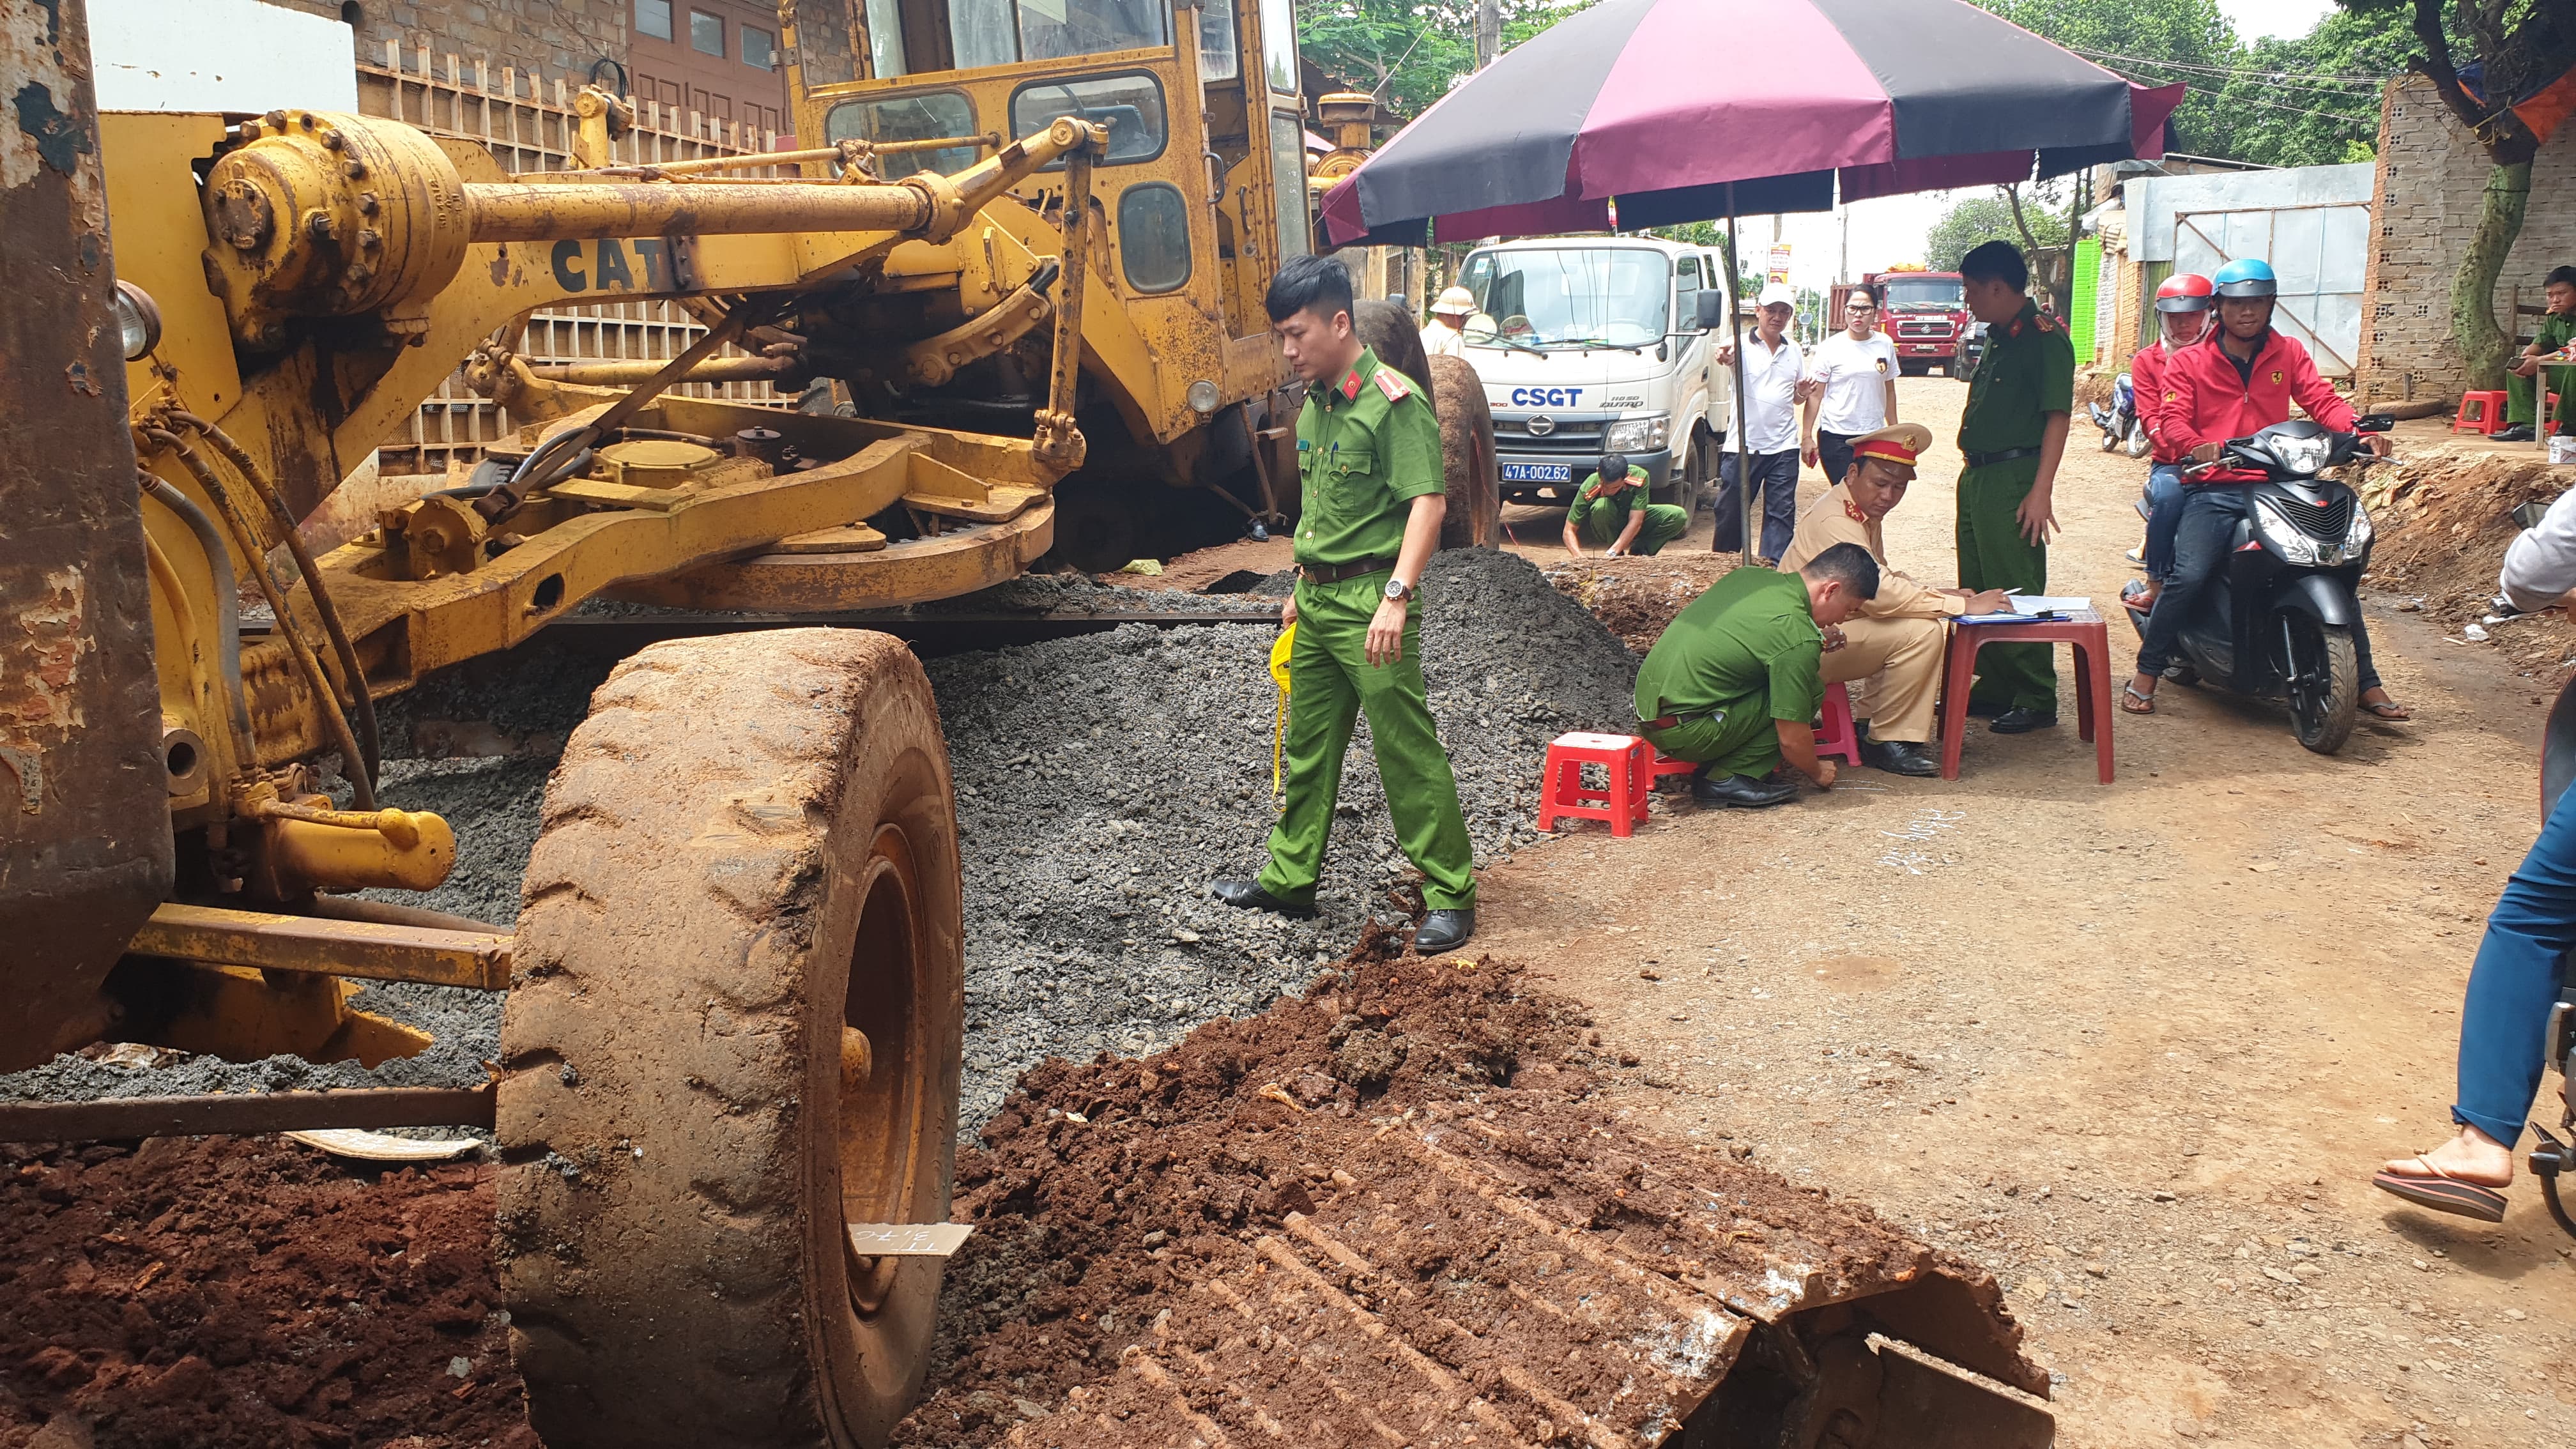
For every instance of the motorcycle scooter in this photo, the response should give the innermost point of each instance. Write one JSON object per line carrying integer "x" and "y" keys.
{"x": 2121, "y": 427}
{"x": 2277, "y": 618}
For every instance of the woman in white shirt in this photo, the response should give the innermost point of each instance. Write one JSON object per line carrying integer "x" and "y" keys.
{"x": 1851, "y": 387}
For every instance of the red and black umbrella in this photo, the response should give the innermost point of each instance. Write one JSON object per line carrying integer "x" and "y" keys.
{"x": 1688, "y": 109}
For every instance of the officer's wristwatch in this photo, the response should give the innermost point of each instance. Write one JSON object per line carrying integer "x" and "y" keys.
{"x": 1398, "y": 591}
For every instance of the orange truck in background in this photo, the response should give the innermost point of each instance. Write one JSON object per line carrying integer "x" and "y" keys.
{"x": 1926, "y": 313}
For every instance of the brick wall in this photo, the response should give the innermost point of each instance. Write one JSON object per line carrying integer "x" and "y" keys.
{"x": 559, "y": 39}
{"x": 2424, "y": 205}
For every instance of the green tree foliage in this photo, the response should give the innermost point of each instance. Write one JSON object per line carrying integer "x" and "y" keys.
{"x": 2310, "y": 100}
{"x": 1986, "y": 217}
{"x": 1407, "y": 53}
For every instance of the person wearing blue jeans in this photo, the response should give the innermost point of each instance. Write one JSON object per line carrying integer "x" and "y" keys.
{"x": 2505, "y": 1017}
{"x": 2502, "y": 1023}
{"x": 2164, "y": 516}
{"x": 1775, "y": 477}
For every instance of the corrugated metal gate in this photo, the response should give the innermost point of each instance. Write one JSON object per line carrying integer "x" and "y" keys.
{"x": 2318, "y": 251}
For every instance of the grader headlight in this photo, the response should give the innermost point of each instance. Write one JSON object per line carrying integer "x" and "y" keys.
{"x": 138, "y": 321}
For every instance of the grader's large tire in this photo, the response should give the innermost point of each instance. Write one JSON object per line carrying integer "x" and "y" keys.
{"x": 1475, "y": 516}
{"x": 734, "y": 1027}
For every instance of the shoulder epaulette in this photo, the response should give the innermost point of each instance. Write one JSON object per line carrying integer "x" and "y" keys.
{"x": 1392, "y": 383}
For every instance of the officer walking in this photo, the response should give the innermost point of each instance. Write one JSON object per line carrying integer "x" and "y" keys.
{"x": 1368, "y": 456}
{"x": 2013, "y": 434}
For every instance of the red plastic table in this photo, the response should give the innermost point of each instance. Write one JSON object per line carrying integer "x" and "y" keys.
{"x": 2091, "y": 639}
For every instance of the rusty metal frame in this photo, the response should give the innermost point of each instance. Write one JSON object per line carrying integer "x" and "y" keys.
{"x": 370, "y": 950}
{"x": 120, "y": 1119}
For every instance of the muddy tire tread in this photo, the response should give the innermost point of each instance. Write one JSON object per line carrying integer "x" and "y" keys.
{"x": 650, "y": 1231}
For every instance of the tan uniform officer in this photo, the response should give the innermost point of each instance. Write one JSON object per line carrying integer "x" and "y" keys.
{"x": 1890, "y": 649}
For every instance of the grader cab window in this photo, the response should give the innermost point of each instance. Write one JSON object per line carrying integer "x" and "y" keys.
{"x": 1154, "y": 236}
{"x": 908, "y": 118}
{"x": 1131, "y": 106}
{"x": 910, "y": 36}
{"x": 1220, "y": 58}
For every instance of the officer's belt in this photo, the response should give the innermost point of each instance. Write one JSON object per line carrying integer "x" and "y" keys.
{"x": 1980, "y": 460}
{"x": 1324, "y": 573}
{"x": 1676, "y": 721}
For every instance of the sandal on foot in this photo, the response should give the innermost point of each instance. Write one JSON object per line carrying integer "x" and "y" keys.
{"x": 2146, "y": 703}
{"x": 2442, "y": 1192}
{"x": 2387, "y": 709}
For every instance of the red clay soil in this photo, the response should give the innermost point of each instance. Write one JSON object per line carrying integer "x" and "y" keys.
{"x": 207, "y": 1293}
{"x": 1245, "y": 1223}
{"x": 1396, "y": 1200}
{"x": 1635, "y": 598}
{"x": 2444, "y": 517}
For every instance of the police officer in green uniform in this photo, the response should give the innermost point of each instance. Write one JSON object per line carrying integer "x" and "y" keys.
{"x": 2524, "y": 377}
{"x": 1368, "y": 457}
{"x": 2013, "y": 433}
{"x": 1733, "y": 683}
{"x": 1611, "y": 513}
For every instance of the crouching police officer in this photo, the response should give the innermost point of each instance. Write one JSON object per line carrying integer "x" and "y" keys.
{"x": 1368, "y": 455}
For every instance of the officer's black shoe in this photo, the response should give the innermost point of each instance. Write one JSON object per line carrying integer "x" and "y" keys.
{"x": 1249, "y": 895}
{"x": 1742, "y": 792}
{"x": 1980, "y": 709}
{"x": 2518, "y": 433}
{"x": 1444, "y": 931}
{"x": 2021, "y": 721}
{"x": 1900, "y": 757}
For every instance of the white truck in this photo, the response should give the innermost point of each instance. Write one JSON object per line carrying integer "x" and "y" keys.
{"x": 1598, "y": 344}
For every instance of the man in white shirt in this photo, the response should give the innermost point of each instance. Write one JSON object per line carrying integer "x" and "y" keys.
{"x": 1446, "y": 336}
{"x": 1852, "y": 377}
{"x": 1773, "y": 368}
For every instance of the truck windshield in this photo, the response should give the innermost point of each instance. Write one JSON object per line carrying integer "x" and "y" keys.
{"x": 1925, "y": 294}
{"x": 1569, "y": 297}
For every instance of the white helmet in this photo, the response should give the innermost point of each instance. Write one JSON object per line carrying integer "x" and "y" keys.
{"x": 1455, "y": 302}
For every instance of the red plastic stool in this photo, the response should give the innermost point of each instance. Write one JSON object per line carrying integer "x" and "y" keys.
{"x": 2480, "y": 412}
{"x": 1563, "y": 793}
{"x": 1836, "y": 736}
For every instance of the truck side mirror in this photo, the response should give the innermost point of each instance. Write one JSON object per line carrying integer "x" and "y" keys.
{"x": 1712, "y": 308}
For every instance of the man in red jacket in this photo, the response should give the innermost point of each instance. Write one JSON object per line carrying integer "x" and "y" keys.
{"x": 2237, "y": 383}
{"x": 2183, "y": 306}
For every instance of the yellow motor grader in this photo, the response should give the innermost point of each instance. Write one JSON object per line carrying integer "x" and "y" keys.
{"x": 727, "y": 1093}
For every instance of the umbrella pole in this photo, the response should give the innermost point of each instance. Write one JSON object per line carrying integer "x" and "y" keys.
{"x": 1735, "y": 324}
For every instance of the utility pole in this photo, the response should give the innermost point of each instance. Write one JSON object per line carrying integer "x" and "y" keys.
{"x": 1842, "y": 268}
{"x": 1489, "y": 32}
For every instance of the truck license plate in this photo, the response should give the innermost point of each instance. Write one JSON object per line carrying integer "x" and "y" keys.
{"x": 1538, "y": 472}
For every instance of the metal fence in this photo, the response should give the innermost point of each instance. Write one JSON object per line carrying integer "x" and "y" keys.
{"x": 527, "y": 122}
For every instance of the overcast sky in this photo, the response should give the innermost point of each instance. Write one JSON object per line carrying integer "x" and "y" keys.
{"x": 1891, "y": 229}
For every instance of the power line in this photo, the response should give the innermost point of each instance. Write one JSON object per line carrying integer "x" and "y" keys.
{"x": 2283, "y": 78}
{"x": 2300, "y": 111}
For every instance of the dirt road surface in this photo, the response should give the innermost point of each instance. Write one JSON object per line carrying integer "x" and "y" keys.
{"x": 2134, "y": 1048}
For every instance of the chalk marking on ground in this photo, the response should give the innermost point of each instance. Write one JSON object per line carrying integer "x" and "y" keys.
{"x": 1929, "y": 824}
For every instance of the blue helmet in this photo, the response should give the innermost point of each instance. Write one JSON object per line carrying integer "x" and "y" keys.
{"x": 2247, "y": 278}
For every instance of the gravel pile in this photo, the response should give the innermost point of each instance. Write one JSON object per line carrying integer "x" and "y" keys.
{"x": 1103, "y": 781}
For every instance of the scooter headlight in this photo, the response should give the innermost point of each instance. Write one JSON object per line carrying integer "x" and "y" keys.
{"x": 2357, "y": 537}
{"x": 2303, "y": 456}
{"x": 2284, "y": 536}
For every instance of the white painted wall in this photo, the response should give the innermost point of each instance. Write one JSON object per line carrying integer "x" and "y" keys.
{"x": 219, "y": 55}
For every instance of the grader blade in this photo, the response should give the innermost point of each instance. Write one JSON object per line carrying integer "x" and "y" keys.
{"x": 1676, "y": 1329}
{"x": 1398, "y": 1213}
